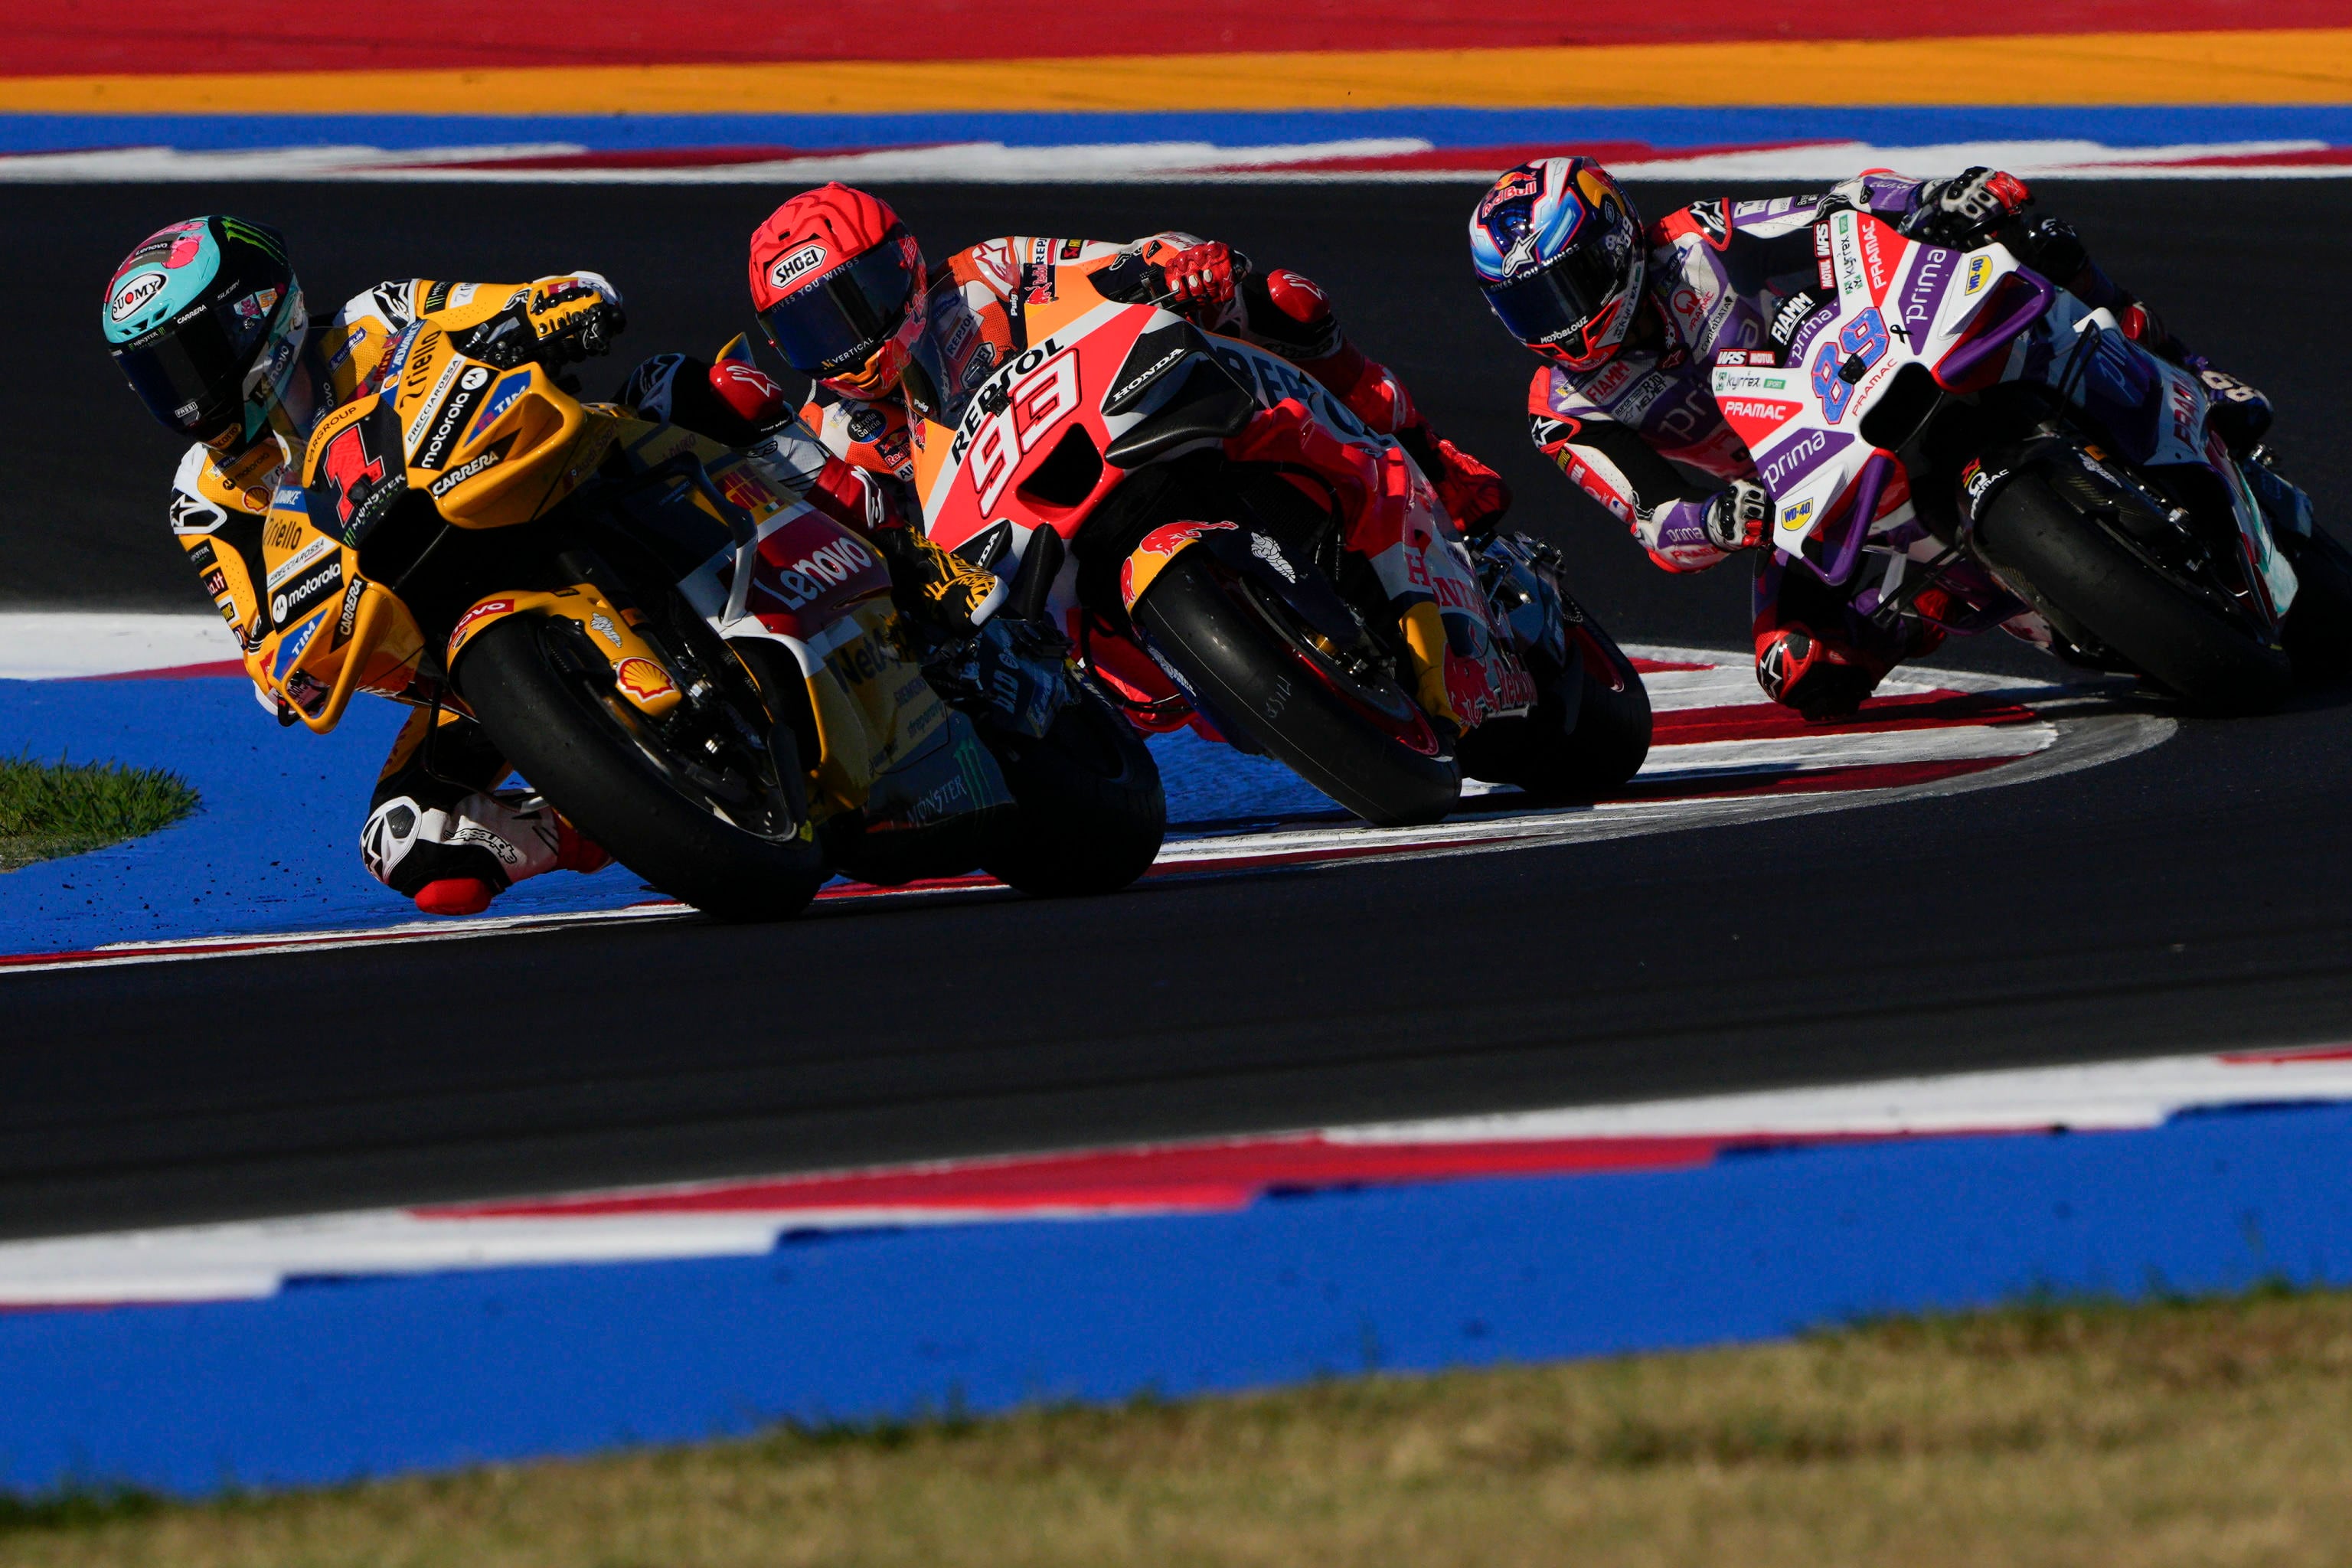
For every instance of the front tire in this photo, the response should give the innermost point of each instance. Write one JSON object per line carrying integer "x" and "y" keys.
{"x": 2077, "y": 574}
{"x": 1585, "y": 738}
{"x": 1089, "y": 811}
{"x": 602, "y": 766}
{"x": 1248, "y": 675}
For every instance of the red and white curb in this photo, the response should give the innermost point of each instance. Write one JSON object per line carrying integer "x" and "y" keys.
{"x": 1720, "y": 753}
{"x": 1355, "y": 159}
{"x": 749, "y": 1216}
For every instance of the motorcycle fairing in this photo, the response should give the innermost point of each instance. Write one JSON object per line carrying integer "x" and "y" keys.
{"x": 1823, "y": 429}
{"x": 1101, "y": 373}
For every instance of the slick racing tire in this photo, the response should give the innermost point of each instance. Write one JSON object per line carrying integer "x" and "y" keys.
{"x": 1372, "y": 748}
{"x": 1587, "y": 735}
{"x": 2069, "y": 567}
{"x": 2318, "y": 629}
{"x": 1089, "y": 812}
{"x": 578, "y": 742}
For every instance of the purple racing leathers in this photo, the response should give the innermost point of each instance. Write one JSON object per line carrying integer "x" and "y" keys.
{"x": 1642, "y": 435}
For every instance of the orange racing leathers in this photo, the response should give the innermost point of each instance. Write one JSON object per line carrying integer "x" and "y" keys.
{"x": 435, "y": 829}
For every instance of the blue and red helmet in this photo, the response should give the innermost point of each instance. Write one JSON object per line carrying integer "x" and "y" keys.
{"x": 1561, "y": 258}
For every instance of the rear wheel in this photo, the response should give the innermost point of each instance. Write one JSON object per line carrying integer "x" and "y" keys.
{"x": 716, "y": 824}
{"x": 1089, "y": 813}
{"x": 2318, "y": 630}
{"x": 1360, "y": 741}
{"x": 2080, "y": 575}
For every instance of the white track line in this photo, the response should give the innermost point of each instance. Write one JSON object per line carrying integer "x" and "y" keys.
{"x": 248, "y": 1260}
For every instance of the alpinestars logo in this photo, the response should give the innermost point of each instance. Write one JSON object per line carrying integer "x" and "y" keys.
{"x": 789, "y": 269}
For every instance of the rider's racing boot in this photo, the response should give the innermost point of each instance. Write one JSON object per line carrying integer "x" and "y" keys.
{"x": 454, "y": 861}
{"x": 1291, "y": 309}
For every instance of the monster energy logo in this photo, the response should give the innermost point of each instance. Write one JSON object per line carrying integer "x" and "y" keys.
{"x": 237, "y": 228}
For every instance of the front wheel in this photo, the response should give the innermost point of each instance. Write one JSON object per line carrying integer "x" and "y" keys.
{"x": 2079, "y": 576}
{"x": 715, "y": 825}
{"x": 1361, "y": 742}
{"x": 1587, "y": 734}
{"x": 1090, "y": 813}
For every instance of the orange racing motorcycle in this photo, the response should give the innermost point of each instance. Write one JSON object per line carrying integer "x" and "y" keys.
{"x": 1131, "y": 474}
{"x": 705, "y": 675}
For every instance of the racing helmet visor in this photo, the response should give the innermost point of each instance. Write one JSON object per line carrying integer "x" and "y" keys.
{"x": 843, "y": 318}
{"x": 191, "y": 374}
{"x": 1552, "y": 304}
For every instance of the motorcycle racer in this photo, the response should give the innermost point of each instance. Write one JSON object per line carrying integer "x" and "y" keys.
{"x": 1629, "y": 319}
{"x": 844, "y": 295}
{"x": 208, "y": 323}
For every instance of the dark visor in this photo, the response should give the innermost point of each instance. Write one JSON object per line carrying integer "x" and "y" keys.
{"x": 1548, "y": 305}
{"x": 839, "y": 321}
{"x": 192, "y": 375}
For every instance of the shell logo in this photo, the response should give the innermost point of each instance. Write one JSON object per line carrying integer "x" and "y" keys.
{"x": 642, "y": 679}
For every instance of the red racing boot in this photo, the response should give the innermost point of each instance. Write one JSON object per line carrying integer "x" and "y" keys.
{"x": 1475, "y": 495}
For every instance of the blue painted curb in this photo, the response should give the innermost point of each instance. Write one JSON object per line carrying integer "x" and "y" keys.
{"x": 2116, "y": 126}
{"x": 330, "y": 1381}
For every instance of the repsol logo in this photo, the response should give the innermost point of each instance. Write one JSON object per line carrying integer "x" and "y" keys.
{"x": 1800, "y": 452}
{"x": 995, "y": 392}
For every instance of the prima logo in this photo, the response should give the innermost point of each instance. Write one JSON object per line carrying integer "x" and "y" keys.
{"x": 790, "y": 269}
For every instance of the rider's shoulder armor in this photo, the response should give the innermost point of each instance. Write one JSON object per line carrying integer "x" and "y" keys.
{"x": 869, "y": 436}
{"x": 217, "y": 514}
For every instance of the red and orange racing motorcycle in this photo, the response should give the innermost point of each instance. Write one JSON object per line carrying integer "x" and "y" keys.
{"x": 1237, "y": 596}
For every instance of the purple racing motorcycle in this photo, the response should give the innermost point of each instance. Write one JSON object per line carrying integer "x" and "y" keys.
{"x": 1999, "y": 454}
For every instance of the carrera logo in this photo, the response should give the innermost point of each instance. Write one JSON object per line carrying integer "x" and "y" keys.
{"x": 464, "y": 471}
{"x": 642, "y": 680}
{"x": 136, "y": 291}
{"x": 789, "y": 269}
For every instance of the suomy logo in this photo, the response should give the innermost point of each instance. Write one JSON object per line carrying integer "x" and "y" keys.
{"x": 788, "y": 270}
{"x": 136, "y": 290}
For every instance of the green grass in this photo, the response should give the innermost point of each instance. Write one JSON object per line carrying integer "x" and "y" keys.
{"x": 2055, "y": 1433}
{"x": 47, "y": 809}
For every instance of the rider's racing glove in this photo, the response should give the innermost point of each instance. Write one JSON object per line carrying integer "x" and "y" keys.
{"x": 937, "y": 586}
{"x": 1737, "y": 515}
{"x": 556, "y": 321}
{"x": 1201, "y": 275}
{"x": 1964, "y": 210}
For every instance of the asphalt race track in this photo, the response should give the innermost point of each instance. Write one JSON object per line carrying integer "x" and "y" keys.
{"x": 2192, "y": 896}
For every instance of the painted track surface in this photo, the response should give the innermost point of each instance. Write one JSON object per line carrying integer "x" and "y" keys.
{"x": 2186, "y": 897}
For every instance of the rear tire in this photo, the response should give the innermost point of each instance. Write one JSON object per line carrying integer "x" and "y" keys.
{"x": 2068, "y": 567}
{"x": 1090, "y": 812}
{"x": 2318, "y": 630}
{"x": 573, "y": 750}
{"x": 1249, "y": 676}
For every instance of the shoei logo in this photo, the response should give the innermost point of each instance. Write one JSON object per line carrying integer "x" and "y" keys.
{"x": 136, "y": 291}
{"x": 790, "y": 269}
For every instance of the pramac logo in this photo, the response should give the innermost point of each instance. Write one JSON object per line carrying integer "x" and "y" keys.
{"x": 790, "y": 269}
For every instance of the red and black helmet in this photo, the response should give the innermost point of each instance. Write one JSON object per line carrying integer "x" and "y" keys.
{"x": 839, "y": 286}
